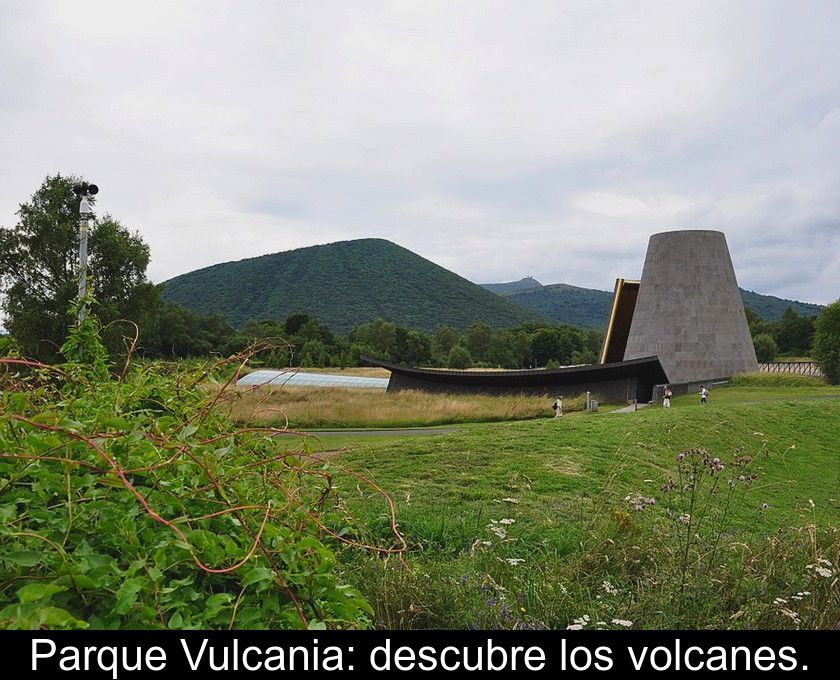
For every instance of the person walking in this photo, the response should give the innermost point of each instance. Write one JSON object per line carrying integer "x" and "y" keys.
{"x": 666, "y": 397}
{"x": 558, "y": 407}
{"x": 704, "y": 393}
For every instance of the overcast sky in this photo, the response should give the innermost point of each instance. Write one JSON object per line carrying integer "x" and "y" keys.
{"x": 498, "y": 139}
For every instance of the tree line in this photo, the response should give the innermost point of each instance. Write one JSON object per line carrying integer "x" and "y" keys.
{"x": 791, "y": 336}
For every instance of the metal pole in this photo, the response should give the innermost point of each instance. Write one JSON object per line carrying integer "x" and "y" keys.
{"x": 84, "y": 216}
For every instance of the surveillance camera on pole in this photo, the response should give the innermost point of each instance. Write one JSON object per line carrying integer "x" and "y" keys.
{"x": 84, "y": 191}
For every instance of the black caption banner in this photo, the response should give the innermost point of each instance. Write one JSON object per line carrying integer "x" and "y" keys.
{"x": 156, "y": 654}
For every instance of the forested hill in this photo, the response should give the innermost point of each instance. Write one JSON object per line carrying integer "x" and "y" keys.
{"x": 562, "y": 303}
{"x": 342, "y": 285}
{"x": 589, "y": 307}
{"x": 771, "y": 308}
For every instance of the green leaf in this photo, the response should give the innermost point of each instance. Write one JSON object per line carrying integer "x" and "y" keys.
{"x": 23, "y": 558}
{"x": 38, "y": 591}
{"x": 315, "y": 624}
{"x": 127, "y": 594}
{"x": 218, "y": 600}
{"x": 53, "y": 617}
{"x": 257, "y": 574}
{"x": 187, "y": 432}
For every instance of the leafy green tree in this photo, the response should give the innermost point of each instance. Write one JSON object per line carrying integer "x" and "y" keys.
{"x": 766, "y": 348}
{"x": 413, "y": 347}
{"x": 757, "y": 324}
{"x": 460, "y": 357}
{"x": 295, "y": 322}
{"x": 314, "y": 353}
{"x": 177, "y": 332}
{"x": 794, "y": 333}
{"x": 478, "y": 339}
{"x": 583, "y": 356}
{"x": 380, "y": 335}
{"x": 39, "y": 269}
{"x": 502, "y": 350}
{"x": 444, "y": 339}
{"x": 826, "y": 350}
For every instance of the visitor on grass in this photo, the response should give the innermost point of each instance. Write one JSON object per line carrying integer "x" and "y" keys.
{"x": 558, "y": 407}
{"x": 704, "y": 393}
{"x": 666, "y": 397}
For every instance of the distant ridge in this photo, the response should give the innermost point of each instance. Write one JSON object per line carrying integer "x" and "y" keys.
{"x": 343, "y": 285}
{"x": 770, "y": 307}
{"x": 527, "y": 283}
{"x": 563, "y": 303}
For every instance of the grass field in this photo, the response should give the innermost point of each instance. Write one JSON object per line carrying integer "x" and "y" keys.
{"x": 312, "y": 407}
{"x": 528, "y": 524}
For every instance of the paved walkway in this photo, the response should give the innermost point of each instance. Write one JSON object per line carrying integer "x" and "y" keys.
{"x": 630, "y": 409}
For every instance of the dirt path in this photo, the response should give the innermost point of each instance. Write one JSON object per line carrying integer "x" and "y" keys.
{"x": 404, "y": 431}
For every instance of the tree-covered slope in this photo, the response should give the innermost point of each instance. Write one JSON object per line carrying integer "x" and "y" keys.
{"x": 770, "y": 308}
{"x": 344, "y": 284}
{"x": 560, "y": 302}
{"x": 589, "y": 307}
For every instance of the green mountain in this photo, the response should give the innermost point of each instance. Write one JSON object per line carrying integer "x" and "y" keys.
{"x": 563, "y": 303}
{"x": 560, "y": 302}
{"x": 342, "y": 285}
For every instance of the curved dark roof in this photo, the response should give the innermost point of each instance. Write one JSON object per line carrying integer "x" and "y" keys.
{"x": 647, "y": 368}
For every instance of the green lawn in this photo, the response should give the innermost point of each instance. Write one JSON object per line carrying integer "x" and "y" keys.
{"x": 740, "y": 395}
{"x": 562, "y": 471}
{"x": 563, "y": 483}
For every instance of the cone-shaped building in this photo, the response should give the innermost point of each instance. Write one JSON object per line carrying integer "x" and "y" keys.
{"x": 688, "y": 310}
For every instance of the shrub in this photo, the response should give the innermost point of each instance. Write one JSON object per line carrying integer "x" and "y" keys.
{"x": 129, "y": 502}
{"x": 826, "y": 349}
{"x": 459, "y": 357}
{"x": 766, "y": 348}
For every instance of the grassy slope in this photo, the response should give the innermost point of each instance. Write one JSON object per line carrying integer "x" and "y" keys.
{"x": 569, "y": 475}
{"x": 560, "y": 469}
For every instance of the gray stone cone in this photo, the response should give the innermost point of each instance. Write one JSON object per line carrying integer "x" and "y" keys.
{"x": 689, "y": 311}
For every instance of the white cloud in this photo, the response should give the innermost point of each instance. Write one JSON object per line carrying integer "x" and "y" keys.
{"x": 498, "y": 139}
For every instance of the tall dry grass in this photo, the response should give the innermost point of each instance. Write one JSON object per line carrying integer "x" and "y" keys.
{"x": 315, "y": 407}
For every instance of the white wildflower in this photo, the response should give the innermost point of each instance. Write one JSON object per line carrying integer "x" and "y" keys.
{"x": 507, "y": 521}
{"x": 622, "y": 622}
{"x": 792, "y": 615}
{"x": 609, "y": 588}
{"x": 513, "y": 561}
{"x": 499, "y": 531}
